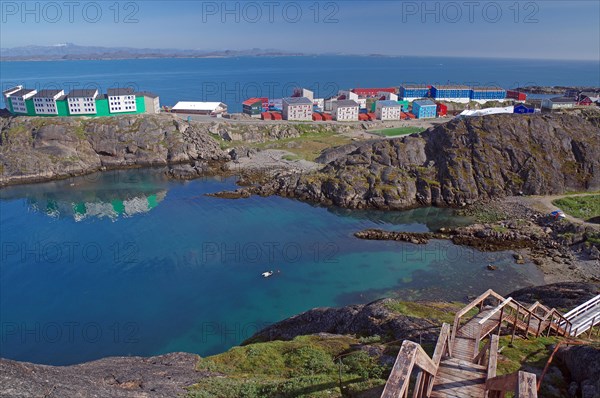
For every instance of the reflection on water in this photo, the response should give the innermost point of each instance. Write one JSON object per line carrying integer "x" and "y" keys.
{"x": 433, "y": 218}
{"x": 157, "y": 266}
{"x": 104, "y": 195}
{"x": 112, "y": 209}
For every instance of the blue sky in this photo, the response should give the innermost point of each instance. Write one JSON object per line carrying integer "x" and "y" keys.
{"x": 511, "y": 28}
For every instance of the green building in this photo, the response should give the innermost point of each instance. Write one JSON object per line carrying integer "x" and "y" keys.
{"x": 80, "y": 102}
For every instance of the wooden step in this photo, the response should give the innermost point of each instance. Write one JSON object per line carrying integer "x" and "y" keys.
{"x": 457, "y": 378}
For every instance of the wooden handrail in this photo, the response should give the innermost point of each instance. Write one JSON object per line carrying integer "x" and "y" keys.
{"x": 410, "y": 355}
{"x": 480, "y": 299}
{"x": 522, "y": 384}
{"x": 479, "y": 356}
{"x": 495, "y": 310}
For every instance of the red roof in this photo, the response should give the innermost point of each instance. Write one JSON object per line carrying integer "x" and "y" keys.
{"x": 252, "y": 101}
{"x": 373, "y": 91}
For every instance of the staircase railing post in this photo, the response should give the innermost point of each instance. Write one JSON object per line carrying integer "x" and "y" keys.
{"x": 528, "y": 324}
{"x": 591, "y": 327}
{"x": 514, "y": 331}
{"x": 500, "y": 321}
{"x": 550, "y": 324}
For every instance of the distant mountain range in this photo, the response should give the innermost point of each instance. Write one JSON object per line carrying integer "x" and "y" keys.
{"x": 70, "y": 51}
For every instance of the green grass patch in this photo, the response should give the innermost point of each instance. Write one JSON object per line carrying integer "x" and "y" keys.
{"x": 584, "y": 207}
{"x": 309, "y": 145}
{"x": 436, "y": 312}
{"x": 308, "y": 366}
{"x": 394, "y": 132}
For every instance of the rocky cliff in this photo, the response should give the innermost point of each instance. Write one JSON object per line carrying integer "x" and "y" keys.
{"x": 461, "y": 162}
{"x": 38, "y": 149}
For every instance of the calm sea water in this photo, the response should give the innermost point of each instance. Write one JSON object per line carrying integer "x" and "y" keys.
{"x": 232, "y": 80}
{"x": 129, "y": 263}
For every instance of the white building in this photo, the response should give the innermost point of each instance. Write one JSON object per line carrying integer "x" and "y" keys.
{"x": 488, "y": 111}
{"x": 121, "y": 100}
{"x": 151, "y": 101}
{"x": 18, "y": 98}
{"x": 297, "y": 108}
{"x": 303, "y": 92}
{"x": 82, "y": 102}
{"x": 558, "y": 103}
{"x": 200, "y": 108}
{"x": 345, "y": 111}
{"x": 7, "y": 93}
{"x": 388, "y": 110}
{"x": 348, "y": 95}
{"x": 44, "y": 101}
{"x": 387, "y": 96}
{"x": 319, "y": 103}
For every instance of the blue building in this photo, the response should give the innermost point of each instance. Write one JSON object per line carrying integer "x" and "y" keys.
{"x": 424, "y": 109}
{"x": 523, "y": 109}
{"x": 488, "y": 93}
{"x": 456, "y": 93}
{"x": 411, "y": 92}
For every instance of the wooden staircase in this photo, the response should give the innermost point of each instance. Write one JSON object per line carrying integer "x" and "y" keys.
{"x": 460, "y": 369}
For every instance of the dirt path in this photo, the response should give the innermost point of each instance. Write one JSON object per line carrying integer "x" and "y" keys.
{"x": 544, "y": 204}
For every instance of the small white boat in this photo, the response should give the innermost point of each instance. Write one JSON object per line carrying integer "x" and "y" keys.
{"x": 267, "y": 274}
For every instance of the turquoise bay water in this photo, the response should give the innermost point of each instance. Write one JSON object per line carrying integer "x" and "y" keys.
{"x": 233, "y": 80}
{"x": 130, "y": 263}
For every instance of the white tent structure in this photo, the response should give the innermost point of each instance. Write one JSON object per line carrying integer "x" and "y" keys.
{"x": 199, "y": 108}
{"x": 487, "y": 111}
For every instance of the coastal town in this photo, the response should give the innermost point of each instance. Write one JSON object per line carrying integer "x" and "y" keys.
{"x": 405, "y": 102}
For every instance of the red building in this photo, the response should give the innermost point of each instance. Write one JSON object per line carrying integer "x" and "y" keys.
{"x": 372, "y": 92}
{"x": 442, "y": 109}
{"x": 585, "y": 101}
{"x": 516, "y": 95}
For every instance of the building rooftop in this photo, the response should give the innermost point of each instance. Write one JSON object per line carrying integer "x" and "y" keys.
{"x": 389, "y": 103}
{"x": 83, "y": 93}
{"x": 252, "y": 101}
{"x": 47, "y": 93}
{"x": 197, "y": 106}
{"x": 562, "y": 99}
{"x": 415, "y": 86}
{"x": 488, "y": 89}
{"x": 22, "y": 92}
{"x": 297, "y": 101}
{"x": 451, "y": 87}
{"x": 346, "y": 103}
{"x": 376, "y": 90}
{"x": 146, "y": 94}
{"x": 424, "y": 102}
{"x": 12, "y": 89}
{"x": 113, "y": 92}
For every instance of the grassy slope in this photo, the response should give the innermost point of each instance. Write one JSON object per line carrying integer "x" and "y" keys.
{"x": 583, "y": 207}
{"x": 393, "y": 132}
{"x": 339, "y": 366}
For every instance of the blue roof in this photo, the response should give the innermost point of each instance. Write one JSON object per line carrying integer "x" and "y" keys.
{"x": 388, "y": 103}
{"x": 424, "y": 102}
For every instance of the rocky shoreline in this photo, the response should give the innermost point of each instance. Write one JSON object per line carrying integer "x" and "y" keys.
{"x": 174, "y": 374}
{"x": 453, "y": 165}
